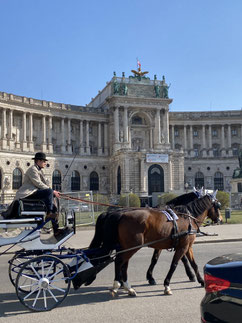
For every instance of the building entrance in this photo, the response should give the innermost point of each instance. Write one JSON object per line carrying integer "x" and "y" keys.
{"x": 155, "y": 179}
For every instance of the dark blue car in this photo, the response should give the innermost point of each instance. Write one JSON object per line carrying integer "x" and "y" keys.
{"x": 223, "y": 284}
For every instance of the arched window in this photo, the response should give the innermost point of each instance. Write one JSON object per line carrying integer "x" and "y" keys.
{"x": 199, "y": 180}
{"x": 94, "y": 181}
{"x": 137, "y": 120}
{"x": 218, "y": 181}
{"x": 75, "y": 181}
{"x": 17, "y": 179}
{"x": 56, "y": 180}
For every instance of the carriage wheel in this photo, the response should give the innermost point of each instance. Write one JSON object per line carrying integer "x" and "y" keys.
{"x": 42, "y": 283}
{"x": 15, "y": 264}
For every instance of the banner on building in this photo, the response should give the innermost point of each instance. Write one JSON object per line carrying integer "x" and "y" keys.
{"x": 156, "y": 158}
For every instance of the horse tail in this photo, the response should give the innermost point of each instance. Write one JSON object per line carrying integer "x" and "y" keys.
{"x": 98, "y": 236}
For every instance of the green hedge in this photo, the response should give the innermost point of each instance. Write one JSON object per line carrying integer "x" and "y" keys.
{"x": 130, "y": 199}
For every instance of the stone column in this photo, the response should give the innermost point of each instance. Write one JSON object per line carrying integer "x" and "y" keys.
{"x": 157, "y": 128}
{"x": 43, "y": 146}
{"x": 172, "y": 137}
{"x": 50, "y": 145}
{"x": 229, "y": 141}
{"x": 191, "y": 137}
{"x": 81, "y": 138}
{"x": 63, "y": 146}
{"x": 24, "y": 131}
{"x": 185, "y": 138}
{"x": 105, "y": 139}
{"x": 69, "y": 148}
{"x": 116, "y": 124}
{"x": 31, "y": 143}
{"x": 210, "y": 141}
{"x": 143, "y": 177}
{"x": 223, "y": 150}
{"x": 125, "y": 125}
{"x": 10, "y": 131}
{"x": 100, "y": 150}
{"x": 204, "y": 151}
{"x": 126, "y": 176}
{"x": 87, "y": 139}
{"x": 151, "y": 138}
{"x": 4, "y": 127}
{"x": 165, "y": 127}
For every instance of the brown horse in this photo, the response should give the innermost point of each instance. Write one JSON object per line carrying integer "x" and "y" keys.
{"x": 183, "y": 199}
{"x": 134, "y": 228}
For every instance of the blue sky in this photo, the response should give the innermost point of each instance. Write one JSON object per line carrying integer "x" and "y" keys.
{"x": 66, "y": 50}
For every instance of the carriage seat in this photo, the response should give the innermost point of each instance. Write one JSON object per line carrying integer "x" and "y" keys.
{"x": 25, "y": 208}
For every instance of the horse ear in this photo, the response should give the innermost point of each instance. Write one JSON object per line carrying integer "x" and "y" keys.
{"x": 214, "y": 194}
{"x": 194, "y": 189}
{"x": 200, "y": 192}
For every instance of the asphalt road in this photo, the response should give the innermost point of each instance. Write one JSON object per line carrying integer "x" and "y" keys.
{"x": 94, "y": 303}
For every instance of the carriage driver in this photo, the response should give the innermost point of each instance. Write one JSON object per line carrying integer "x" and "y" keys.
{"x": 35, "y": 187}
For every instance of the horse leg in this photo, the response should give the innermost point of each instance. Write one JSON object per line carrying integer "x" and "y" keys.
{"x": 191, "y": 259}
{"x": 154, "y": 259}
{"x": 189, "y": 273}
{"x": 121, "y": 276}
{"x": 179, "y": 253}
{"x": 118, "y": 276}
{"x": 126, "y": 285}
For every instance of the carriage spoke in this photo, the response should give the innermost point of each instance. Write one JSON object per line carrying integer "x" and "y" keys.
{"x": 32, "y": 267}
{"x": 45, "y": 299}
{"x": 57, "y": 288}
{"x": 55, "y": 274}
{"x": 36, "y": 298}
{"x": 29, "y": 294}
{"x": 52, "y": 295}
{"x": 51, "y": 266}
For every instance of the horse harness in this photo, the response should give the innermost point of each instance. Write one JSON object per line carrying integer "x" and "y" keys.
{"x": 175, "y": 234}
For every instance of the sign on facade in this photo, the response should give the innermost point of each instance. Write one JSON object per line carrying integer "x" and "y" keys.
{"x": 156, "y": 158}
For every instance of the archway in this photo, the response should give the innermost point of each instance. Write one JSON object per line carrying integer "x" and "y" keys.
{"x": 155, "y": 179}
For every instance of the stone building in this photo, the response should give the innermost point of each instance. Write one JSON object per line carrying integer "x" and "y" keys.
{"x": 124, "y": 140}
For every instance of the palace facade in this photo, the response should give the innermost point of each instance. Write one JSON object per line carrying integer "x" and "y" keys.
{"x": 124, "y": 140}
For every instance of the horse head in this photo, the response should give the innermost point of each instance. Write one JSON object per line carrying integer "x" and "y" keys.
{"x": 214, "y": 213}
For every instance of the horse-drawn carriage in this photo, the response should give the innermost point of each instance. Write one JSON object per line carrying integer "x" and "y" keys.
{"x": 42, "y": 271}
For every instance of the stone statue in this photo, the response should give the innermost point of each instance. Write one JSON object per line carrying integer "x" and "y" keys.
{"x": 124, "y": 89}
{"x": 238, "y": 171}
{"x": 164, "y": 88}
{"x": 115, "y": 87}
{"x": 157, "y": 91}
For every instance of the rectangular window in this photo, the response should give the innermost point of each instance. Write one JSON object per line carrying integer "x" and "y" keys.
{"x": 176, "y": 133}
{"x": 234, "y": 132}
{"x": 214, "y": 133}
{"x": 195, "y": 133}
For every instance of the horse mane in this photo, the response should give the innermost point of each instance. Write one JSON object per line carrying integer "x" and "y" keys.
{"x": 197, "y": 207}
{"x": 182, "y": 199}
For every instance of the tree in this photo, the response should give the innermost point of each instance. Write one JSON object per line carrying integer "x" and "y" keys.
{"x": 223, "y": 198}
{"x": 130, "y": 199}
{"x": 166, "y": 197}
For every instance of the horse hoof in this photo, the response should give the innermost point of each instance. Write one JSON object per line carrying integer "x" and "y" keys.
{"x": 167, "y": 290}
{"x": 152, "y": 281}
{"x": 132, "y": 293}
{"x": 192, "y": 279}
{"x": 113, "y": 293}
